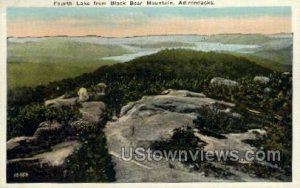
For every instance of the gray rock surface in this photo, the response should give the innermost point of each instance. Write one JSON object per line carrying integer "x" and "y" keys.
{"x": 93, "y": 111}
{"x": 56, "y": 156}
{"x": 46, "y": 135}
{"x": 218, "y": 82}
{"x": 182, "y": 93}
{"x": 18, "y": 141}
{"x": 154, "y": 118}
{"x": 47, "y": 129}
{"x": 261, "y": 79}
{"x": 61, "y": 101}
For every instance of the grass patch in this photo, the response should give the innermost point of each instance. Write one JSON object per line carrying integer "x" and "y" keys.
{"x": 33, "y": 74}
{"x": 265, "y": 62}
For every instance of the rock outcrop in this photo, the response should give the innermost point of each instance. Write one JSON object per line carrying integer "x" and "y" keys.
{"x": 46, "y": 166}
{"x": 154, "y": 118}
{"x": 50, "y": 146}
{"x": 46, "y": 152}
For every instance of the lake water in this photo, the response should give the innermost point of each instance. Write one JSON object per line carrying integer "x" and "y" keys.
{"x": 199, "y": 46}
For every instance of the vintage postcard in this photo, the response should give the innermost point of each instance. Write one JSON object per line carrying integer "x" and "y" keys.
{"x": 155, "y": 91}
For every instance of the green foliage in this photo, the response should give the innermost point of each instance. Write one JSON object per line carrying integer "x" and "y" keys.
{"x": 214, "y": 121}
{"x": 25, "y": 121}
{"x": 93, "y": 162}
{"x": 282, "y": 56}
{"x": 268, "y": 63}
{"x": 185, "y": 140}
{"x": 34, "y": 74}
{"x": 63, "y": 114}
{"x": 279, "y": 137}
{"x": 181, "y": 140}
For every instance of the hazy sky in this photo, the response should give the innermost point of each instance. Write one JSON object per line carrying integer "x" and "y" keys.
{"x": 120, "y": 22}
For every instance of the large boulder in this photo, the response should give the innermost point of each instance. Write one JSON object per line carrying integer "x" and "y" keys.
{"x": 55, "y": 157}
{"x": 83, "y": 95}
{"x": 222, "y": 82}
{"x": 42, "y": 167}
{"x": 92, "y": 111}
{"x": 182, "y": 93}
{"x": 61, "y": 101}
{"x": 154, "y": 118}
{"x": 47, "y": 134}
{"x": 18, "y": 141}
{"x": 287, "y": 74}
{"x": 47, "y": 128}
{"x": 21, "y": 146}
{"x": 261, "y": 79}
{"x": 100, "y": 89}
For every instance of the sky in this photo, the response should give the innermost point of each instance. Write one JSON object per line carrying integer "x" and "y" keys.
{"x": 125, "y": 22}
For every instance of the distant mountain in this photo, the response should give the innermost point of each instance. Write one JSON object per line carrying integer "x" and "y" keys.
{"x": 275, "y": 47}
{"x": 282, "y": 35}
{"x": 283, "y": 56}
{"x": 58, "y": 49}
{"x": 66, "y": 56}
{"x": 253, "y": 39}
